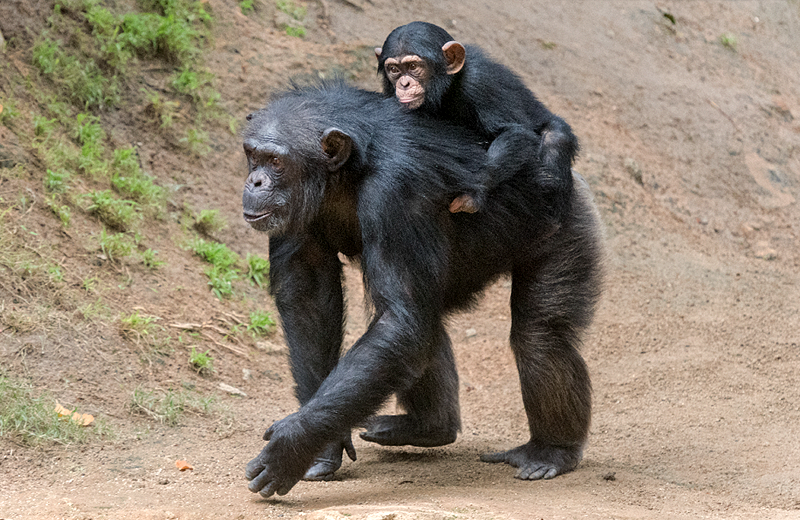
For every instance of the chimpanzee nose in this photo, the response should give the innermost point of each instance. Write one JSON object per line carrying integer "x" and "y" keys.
{"x": 257, "y": 180}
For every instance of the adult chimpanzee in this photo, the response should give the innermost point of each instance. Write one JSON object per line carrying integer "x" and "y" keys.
{"x": 337, "y": 170}
{"x": 429, "y": 71}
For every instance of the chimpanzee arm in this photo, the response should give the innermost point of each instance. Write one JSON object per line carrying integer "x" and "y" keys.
{"x": 546, "y": 153}
{"x": 404, "y": 258}
{"x": 306, "y": 280}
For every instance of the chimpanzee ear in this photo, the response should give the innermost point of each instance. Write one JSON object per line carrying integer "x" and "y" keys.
{"x": 378, "y": 52}
{"x": 337, "y": 145}
{"x": 454, "y": 54}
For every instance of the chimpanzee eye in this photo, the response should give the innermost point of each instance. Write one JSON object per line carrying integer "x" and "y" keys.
{"x": 276, "y": 163}
{"x": 412, "y": 66}
{"x": 393, "y": 69}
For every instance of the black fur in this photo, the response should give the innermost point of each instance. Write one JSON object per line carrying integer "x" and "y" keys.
{"x": 359, "y": 175}
{"x": 490, "y": 99}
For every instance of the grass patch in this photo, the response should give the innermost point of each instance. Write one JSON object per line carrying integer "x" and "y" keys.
{"x": 296, "y": 11}
{"x": 116, "y": 245}
{"x": 63, "y": 212}
{"x": 222, "y": 272}
{"x": 161, "y": 111}
{"x": 292, "y": 20}
{"x": 221, "y": 280}
{"x": 214, "y": 253}
{"x": 90, "y": 135}
{"x": 246, "y": 6}
{"x": 729, "y": 41}
{"x": 130, "y": 181}
{"x": 168, "y": 407}
{"x": 196, "y": 142}
{"x": 32, "y": 420}
{"x": 118, "y": 214}
{"x": 8, "y": 111}
{"x": 201, "y": 362}
{"x": 257, "y": 270}
{"x": 57, "y": 181}
{"x": 77, "y": 79}
{"x": 145, "y": 331}
{"x": 261, "y": 323}
{"x": 208, "y": 221}
{"x": 149, "y": 259}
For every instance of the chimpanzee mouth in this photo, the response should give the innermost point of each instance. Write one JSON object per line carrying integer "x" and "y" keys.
{"x": 255, "y": 218}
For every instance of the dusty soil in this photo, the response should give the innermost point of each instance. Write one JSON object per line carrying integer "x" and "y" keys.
{"x": 693, "y": 152}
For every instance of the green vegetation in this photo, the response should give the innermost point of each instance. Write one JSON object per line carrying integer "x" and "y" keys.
{"x": 118, "y": 214}
{"x": 257, "y": 270}
{"x": 246, "y": 6}
{"x": 261, "y": 323}
{"x": 169, "y": 406}
{"x": 80, "y": 208}
{"x": 292, "y": 22}
{"x": 57, "y": 181}
{"x": 196, "y": 142}
{"x": 149, "y": 259}
{"x": 222, "y": 272}
{"x": 32, "y": 419}
{"x": 144, "y": 330}
{"x": 208, "y": 221}
{"x": 214, "y": 253}
{"x": 80, "y": 80}
{"x": 201, "y": 362}
{"x": 298, "y": 12}
{"x": 8, "y": 111}
{"x": 162, "y": 111}
{"x": 729, "y": 40}
{"x": 130, "y": 181}
{"x": 221, "y": 280}
{"x": 61, "y": 211}
{"x": 115, "y": 245}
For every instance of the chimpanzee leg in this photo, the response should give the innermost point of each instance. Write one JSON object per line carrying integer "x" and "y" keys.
{"x": 306, "y": 280}
{"x": 432, "y": 415}
{"x": 551, "y": 306}
{"x": 516, "y": 149}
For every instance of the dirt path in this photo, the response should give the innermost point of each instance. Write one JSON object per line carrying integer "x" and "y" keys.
{"x": 693, "y": 151}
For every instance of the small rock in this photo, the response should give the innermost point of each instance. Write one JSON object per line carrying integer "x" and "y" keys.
{"x": 764, "y": 252}
{"x": 231, "y": 390}
{"x": 611, "y": 476}
{"x": 246, "y": 374}
{"x": 471, "y": 333}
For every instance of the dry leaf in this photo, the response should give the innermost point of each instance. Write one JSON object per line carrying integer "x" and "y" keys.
{"x": 83, "y": 419}
{"x": 61, "y": 411}
{"x": 183, "y": 465}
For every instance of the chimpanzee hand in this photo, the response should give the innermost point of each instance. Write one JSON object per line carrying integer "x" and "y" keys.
{"x": 282, "y": 462}
{"x": 327, "y": 461}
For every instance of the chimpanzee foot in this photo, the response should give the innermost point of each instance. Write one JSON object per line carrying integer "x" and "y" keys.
{"x": 465, "y": 203}
{"x": 401, "y": 430}
{"x": 329, "y": 460}
{"x": 535, "y": 461}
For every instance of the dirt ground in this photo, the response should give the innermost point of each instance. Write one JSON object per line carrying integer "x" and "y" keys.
{"x": 692, "y": 149}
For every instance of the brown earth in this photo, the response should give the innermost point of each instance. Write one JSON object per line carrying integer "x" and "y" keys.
{"x": 692, "y": 149}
